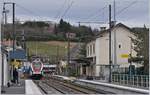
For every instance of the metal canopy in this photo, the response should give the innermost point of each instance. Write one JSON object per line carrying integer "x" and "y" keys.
{"x": 19, "y": 54}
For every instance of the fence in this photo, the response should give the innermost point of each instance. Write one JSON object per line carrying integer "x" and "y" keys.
{"x": 141, "y": 81}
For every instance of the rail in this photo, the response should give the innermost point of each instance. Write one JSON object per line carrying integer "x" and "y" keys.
{"x": 42, "y": 89}
{"x": 70, "y": 85}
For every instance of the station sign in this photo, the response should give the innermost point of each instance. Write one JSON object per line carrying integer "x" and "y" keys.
{"x": 124, "y": 55}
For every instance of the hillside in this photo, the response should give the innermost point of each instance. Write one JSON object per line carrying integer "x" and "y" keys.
{"x": 48, "y": 48}
{"x": 42, "y": 31}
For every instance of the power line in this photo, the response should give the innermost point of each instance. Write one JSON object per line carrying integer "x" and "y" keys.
{"x": 67, "y": 9}
{"x": 59, "y": 10}
{"x": 120, "y": 11}
{"x": 92, "y": 16}
{"x": 27, "y": 10}
{"x": 91, "y": 22}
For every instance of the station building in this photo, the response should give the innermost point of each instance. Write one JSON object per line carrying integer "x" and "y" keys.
{"x": 97, "y": 52}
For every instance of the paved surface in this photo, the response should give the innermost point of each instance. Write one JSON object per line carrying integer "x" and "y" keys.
{"x": 32, "y": 88}
{"x": 15, "y": 88}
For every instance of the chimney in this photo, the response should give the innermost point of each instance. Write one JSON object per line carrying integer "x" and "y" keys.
{"x": 113, "y": 23}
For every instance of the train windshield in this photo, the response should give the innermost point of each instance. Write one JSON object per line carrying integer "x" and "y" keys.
{"x": 37, "y": 65}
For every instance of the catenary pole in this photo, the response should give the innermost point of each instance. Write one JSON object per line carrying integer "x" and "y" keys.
{"x": 115, "y": 42}
{"x": 68, "y": 61}
{"x": 0, "y": 48}
{"x": 13, "y": 4}
{"x": 110, "y": 61}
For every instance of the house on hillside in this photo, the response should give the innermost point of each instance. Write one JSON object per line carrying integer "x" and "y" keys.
{"x": 71, "y": 35}
{"x": 74, "y": 53}
{"x": 97, "y": 51}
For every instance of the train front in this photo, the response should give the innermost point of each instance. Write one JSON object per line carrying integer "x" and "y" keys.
{"x": 36, "y": 69}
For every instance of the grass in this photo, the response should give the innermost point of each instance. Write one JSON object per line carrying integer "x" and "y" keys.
{"x": 48, "y": 48}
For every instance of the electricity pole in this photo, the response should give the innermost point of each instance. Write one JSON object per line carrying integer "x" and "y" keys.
{"x": 0, "y": 53}
{"x": 13, "y": 26}
{"x": 115, "y": 11}
{"x": 2, "y": 59}
{"x": 23, "y": 40}
{"x": 5, "y": 14}
{"x": 110, "y": 61}
{"x": 57, "y": 54}
{"x": 115, "y": 42}
{"x": 13, "y": 18}
{"x": 68, "y": 61}
{"x": 130, "y": 73}
{"x": 57, "y": 62}
{"x": 79, "y": 24}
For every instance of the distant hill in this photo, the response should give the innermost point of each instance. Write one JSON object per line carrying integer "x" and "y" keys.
{"x": 43, "y": 31}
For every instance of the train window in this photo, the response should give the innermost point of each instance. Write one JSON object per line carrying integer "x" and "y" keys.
{"x": 37, "y": 65}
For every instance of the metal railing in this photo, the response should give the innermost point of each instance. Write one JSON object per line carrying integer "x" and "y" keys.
{"x": 140, "y": 81}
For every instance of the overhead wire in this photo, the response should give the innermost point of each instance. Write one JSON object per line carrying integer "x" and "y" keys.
{"x": 123, "y": 9}
{"x": 60, "y": 9}
{"x": 92, "y": 16}
{"x": 68, "y": 8}
{"x": 131, "y": 18}
{"x": 29, "y": 11}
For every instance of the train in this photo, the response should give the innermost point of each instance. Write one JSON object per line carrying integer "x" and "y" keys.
{"x": 36, "y": 71}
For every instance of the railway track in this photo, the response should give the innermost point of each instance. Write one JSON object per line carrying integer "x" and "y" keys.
{"x": 46, "y": 89}
{"x": 64, "y": 87}
{"x": 68, "y": 87}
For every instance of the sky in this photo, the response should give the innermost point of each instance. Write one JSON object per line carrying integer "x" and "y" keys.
{"x": 129, "y": 12}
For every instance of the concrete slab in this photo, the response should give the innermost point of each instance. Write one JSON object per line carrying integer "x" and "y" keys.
{"x": 117, "y": 89}
{"x": 31, "y": 88}
{"x": 15, "y": 88}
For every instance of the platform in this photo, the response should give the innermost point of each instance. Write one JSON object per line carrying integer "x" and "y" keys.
{"x": 107, "y": 87}
{"x": 15, "y": 88}
{"x": 31, "y": 88}
{"x": 116, "y": 89}
{"x": 26, "y": 87}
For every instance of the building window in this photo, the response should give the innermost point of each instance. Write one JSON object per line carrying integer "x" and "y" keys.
{"x": 93, "y": 48}
{"x": 90, "y": 50}
{"x": 87, "y": 51}
{"x": 119, "y": 46}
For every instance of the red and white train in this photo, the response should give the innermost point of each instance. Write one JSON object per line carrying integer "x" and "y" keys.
{"x": 36, "y": 69}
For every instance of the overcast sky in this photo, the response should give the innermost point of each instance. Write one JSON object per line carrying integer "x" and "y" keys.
{"x": 129, "y": 12}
